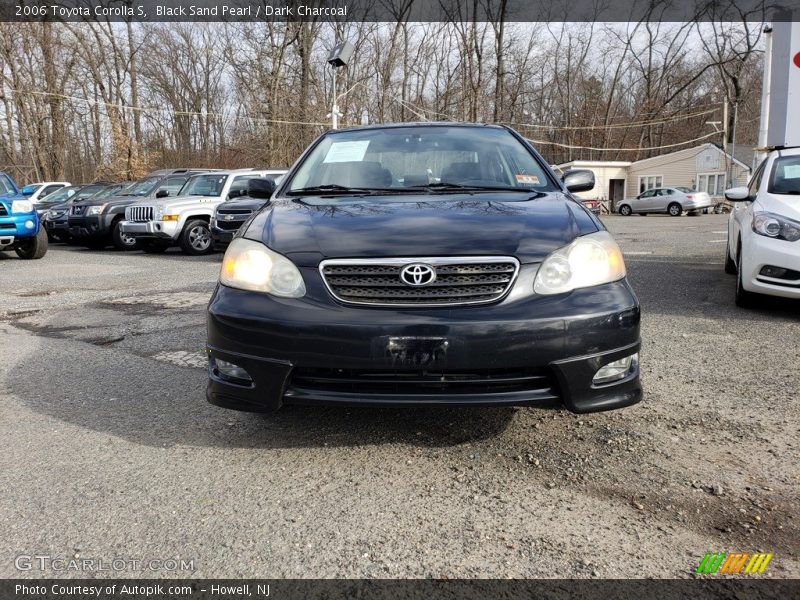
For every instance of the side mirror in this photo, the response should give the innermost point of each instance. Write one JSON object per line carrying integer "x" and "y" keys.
{"x": 738, "y": 194}
{"x": 579, "y": 180}
{"x": 27, "y": 191}
{"x": 261, "y": 188}
{"x": 162, "y": 193}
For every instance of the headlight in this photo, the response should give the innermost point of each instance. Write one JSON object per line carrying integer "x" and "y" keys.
{"x": 250, "y": 265}
{"x": 21, "y": 206}
{"x": 775, "y": 226}
{"x": 589, "y": 260}
{"x": 50, "y": 215}
{"x": 95, "y": 210}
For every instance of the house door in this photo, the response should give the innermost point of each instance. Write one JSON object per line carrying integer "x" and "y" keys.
{"x": 616, "y": 191}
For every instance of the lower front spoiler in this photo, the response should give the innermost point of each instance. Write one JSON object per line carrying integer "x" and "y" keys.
{"x": 272, "y": 387}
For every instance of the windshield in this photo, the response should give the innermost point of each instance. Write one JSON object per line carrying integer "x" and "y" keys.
{"x": 59, "y": 196}
{"x": 204, "y": 185}
{"x": 141, "y": 188}
{"x": 396, "y": 159}
{"x": 785, "y": 175}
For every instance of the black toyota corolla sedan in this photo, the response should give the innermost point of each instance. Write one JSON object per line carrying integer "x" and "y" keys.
{"x": 424, "y": 264}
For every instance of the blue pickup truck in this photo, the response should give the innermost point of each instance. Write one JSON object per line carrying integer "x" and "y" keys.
{"x": 20, "y": 228}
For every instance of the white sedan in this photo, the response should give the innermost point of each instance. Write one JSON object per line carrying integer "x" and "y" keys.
{"x": 764, "y": 230}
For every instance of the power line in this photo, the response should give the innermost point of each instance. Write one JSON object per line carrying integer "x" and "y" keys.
{"x": 571, "y": 147}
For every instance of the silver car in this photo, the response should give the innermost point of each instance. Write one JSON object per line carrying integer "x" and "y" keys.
{"x": 671, "y": 200}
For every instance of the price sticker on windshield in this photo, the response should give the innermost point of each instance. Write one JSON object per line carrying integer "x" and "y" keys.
{"x": 346, "y": 152}
{"x": 528, "y": 179}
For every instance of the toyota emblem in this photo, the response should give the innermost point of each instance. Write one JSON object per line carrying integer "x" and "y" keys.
{"x": 418, "y": 274}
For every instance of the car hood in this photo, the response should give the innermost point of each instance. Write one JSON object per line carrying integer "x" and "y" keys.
{"x": 316, "y": 228}
{"x": 111, "y": 201}
{"x": 244, "y": 202}
{"x": 785, "y": 205}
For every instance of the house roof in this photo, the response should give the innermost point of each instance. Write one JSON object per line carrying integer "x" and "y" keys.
{"x": 697, "y": 150}
{"x": 744, "y": 154}
{"x": 594, "y": 163}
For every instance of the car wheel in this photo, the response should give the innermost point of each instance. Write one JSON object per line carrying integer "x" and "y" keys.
{"x": 153, "y": 246}
{"x": 730, "y": 266}
{"x": 744, "y": 299}
{"x": 33, "y": 248}
{"x": 674, "y": 209}
{"x": 196, "y": 238}
{"x": 625, "y": 210}
{"x": 122, "y": 240}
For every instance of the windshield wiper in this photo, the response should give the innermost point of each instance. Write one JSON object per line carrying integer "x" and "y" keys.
{"x": 459, "y": 187}
{"x": 333, "y": 188}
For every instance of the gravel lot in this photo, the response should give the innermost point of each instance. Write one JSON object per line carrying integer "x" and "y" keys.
{"x": 110, "y": 450}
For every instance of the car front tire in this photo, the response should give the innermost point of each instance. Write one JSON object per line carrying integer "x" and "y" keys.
{"x": 121, "y": 240}
{"x": 730, "y": 266}
{"x": 195, "y": 239}
{"x": 33, "y": 248}
{"x": 744, "y": 299}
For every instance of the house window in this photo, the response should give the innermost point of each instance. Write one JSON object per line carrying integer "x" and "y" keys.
{"x": 713, "y": 183}
{"x": 648, "y": 182}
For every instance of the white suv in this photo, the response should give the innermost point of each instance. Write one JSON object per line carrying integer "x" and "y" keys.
{"x": 764, "y": 230}
{"x": 184, "y": 219}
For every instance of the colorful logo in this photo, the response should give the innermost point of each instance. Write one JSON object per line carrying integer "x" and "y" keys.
{"x": 731, "y": 564}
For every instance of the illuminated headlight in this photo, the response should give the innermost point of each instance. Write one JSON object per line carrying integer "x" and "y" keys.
{"x": 589, "y": 260}
{"x": 21, "y": 206}
{"x": 619, "y": 369}
{"x": 775, "y": 226}
{"x": 95, "y": 210}
{"x": 250, "y": 265}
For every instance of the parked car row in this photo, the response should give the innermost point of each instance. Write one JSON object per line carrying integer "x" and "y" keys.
{"x": 169, "y": 207}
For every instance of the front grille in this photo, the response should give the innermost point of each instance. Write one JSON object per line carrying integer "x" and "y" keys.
{"x": 230, "y": 219}
{"x": 77, "y": 210}
{"x": 3, "y": 210}
{"x": 458, "y": 281}
{"x": 357, "y": 382}
{"x": 139, "y": 214}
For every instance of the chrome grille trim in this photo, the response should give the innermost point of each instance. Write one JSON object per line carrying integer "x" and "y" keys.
{"x": 139, "y": 214}
{"x": 460, "y": 281}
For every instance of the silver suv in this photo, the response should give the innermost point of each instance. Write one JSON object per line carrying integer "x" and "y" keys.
{"x": 184, "y": 219}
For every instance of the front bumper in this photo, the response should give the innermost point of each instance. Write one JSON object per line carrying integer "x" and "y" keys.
{"x": 221, "y": 238}
{"x": 16, "y": 226}
{"x": 539, "y": 351}
{"x": 759, "y": 251}
{"x": 150, "y": 229}
{"x": 88, "y": 227}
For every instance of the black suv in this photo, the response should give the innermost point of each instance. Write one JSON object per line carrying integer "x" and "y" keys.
{"x": 96, "y": 222}
{"x": 432, "y": 263}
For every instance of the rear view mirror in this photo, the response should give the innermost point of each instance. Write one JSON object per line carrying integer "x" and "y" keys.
{"x": 162, "y": 193}
{"x": 579, "y": 180}
{"x": 738, "y": 194}
{"x": 261, "y": 188}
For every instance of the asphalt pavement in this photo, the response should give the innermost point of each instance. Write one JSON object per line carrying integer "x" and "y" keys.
{"x": 110, "y": 451}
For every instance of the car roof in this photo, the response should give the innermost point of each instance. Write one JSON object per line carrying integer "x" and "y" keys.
{"x": 419, "y": 124}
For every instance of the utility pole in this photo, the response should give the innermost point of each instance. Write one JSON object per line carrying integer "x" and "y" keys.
{"x": 733, "y": 144}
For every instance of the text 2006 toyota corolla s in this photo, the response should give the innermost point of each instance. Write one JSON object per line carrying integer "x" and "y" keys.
{"x": 424, "y": 264}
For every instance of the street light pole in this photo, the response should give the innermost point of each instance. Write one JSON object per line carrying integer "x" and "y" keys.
{"x": 339, "y": 57}
{"x": 335, "y": 107}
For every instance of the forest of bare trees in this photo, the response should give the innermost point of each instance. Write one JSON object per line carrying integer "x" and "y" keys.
{"x": 83, "y": 101}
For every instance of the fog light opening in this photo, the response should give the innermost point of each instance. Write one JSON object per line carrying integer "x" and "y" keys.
{"x": 231, "y": 372}
{"x": 616, "y": 370}
{"x": 29, "y": 224}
